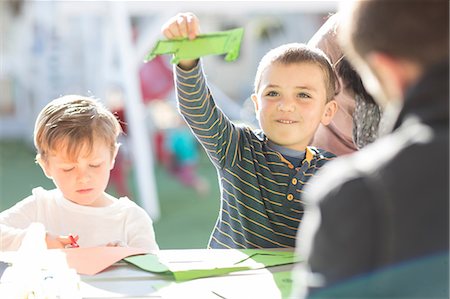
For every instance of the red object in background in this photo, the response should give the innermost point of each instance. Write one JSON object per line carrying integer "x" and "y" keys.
{"x": 120, "y": 113}
{"x": 162, "y": 155}
{"x": 156, "y": 79}
{"x": 119, "y": 175}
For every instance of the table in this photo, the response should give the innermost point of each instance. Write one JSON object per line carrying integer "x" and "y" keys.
{"x": 123, "y": 280}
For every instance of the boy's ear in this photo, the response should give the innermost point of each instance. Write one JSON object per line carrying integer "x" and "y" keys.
{"x": 329, "y": 112}
{"x": 254, "y": 98}
{"x": 113, "y": 158}
{"x": 44, "y": 166}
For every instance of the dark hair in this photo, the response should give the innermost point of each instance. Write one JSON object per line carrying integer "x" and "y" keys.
{"x": 367, "y": 114}
{"x": 416, "y": 30}
{"x": 351, "y": 79}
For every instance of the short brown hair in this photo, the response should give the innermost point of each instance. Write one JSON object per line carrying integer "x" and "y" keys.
{"x": 299, "y": 53}
{"x": 74, "y": 121}
{"x": 416, "y": 30}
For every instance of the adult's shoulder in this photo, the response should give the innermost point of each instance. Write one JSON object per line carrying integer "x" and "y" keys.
{"x": 348, "y": 175}
{"x": 386, "y": 160}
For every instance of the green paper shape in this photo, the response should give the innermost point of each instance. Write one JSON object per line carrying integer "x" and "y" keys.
{"x": 201, "y": 273}
{"x": 148, "y": 262}
{"x": 270, "y": 258}
{"x": 284, "y": 282}
{"x": 217, "y": 43}
{"x": 266, "y": 258}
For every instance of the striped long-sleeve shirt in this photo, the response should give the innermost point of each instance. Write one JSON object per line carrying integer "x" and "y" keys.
{"x": 261, "y": 191}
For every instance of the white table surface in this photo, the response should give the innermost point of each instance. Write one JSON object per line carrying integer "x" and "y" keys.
{"x": 123, "y": 280}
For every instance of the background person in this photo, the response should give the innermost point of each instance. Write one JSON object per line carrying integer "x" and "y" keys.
{"x": 357, "y": 118}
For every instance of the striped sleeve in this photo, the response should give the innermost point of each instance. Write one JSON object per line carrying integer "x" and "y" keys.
{"x": 214, "y": 130}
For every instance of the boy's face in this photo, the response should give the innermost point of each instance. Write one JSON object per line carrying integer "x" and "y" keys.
{"x": 291, "y": 103}
{"x": 84, "y": 179}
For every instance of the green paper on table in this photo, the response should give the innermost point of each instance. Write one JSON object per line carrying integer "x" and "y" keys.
{"x": 148, "y": 262}
{"x": 248, "y": 259}
{"x": 184, "y": 275}
{"x": 284, "y": 282}
{"x": 217, "y": 43}
{"x": 271, "y": 258}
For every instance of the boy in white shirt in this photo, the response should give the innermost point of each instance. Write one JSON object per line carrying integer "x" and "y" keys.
{"x": 76, "y": 142}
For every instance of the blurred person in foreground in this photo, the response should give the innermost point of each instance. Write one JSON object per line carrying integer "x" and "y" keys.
{"x": 381, "y": 227}
{"x": 357, "y": 118}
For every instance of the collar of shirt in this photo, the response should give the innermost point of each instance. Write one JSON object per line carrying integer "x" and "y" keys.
{"x": 293, "y": 156}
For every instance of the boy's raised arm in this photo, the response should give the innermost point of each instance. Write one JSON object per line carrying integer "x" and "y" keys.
{"x": 180, "y": 26}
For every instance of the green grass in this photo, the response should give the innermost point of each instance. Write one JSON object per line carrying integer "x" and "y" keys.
{"x": 186, "y": 219}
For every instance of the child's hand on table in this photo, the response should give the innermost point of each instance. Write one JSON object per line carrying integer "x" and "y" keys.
{"x": 55, "y": 242}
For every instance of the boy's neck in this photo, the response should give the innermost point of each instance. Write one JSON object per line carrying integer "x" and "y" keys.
{"x": 287, "y": 152}
{"x": 105, "y": 200}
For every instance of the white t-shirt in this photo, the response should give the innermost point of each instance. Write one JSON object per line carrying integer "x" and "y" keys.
{"x": 123, "y": 221}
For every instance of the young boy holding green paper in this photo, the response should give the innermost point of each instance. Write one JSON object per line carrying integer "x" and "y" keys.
{"x": 261, "y": 172}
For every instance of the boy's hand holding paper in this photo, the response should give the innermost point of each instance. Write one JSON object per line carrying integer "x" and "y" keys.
{"x": 184, "y": 41}
{"x": 225, "y": 42}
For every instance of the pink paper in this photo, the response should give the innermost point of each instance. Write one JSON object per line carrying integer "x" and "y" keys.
{"x": 92, "y": 260}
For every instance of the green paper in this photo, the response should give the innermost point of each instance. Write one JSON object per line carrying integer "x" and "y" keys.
{"x": 270, "y": 258}
{"x": 263, "y": 258}
{"x": 217, "y": 43}
{"x": 284, "y": 281}
{"x": 148, "y": 262}
{"x": 200, "y": 273}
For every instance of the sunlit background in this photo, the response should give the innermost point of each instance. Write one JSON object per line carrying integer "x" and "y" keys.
{"x": 97, "y": 48}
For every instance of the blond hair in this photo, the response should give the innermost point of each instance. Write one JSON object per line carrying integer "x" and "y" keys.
{"x": 75, "y": 122}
